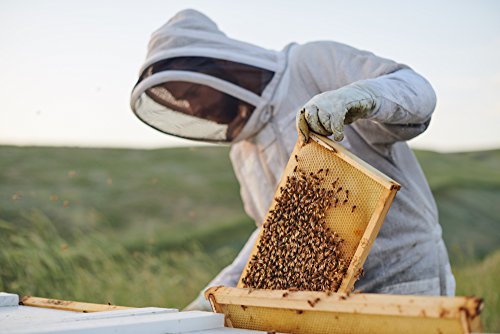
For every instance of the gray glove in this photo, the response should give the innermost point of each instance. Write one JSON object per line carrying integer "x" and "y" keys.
{"x": 199, "y": 304}
{"x": 326, "y": 113}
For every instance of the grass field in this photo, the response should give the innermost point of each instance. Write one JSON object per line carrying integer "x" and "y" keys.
{"x": 152, "y": 227}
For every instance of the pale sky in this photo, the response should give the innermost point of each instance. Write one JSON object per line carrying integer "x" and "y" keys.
{"x": 67, "y": 67}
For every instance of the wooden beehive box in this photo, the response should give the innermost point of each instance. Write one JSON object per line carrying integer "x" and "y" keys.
{"x": 359, "y": 214}
{"x": 315, "y": 312}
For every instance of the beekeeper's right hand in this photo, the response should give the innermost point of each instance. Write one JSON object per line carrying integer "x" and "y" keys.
{"x": 326, "y": 113}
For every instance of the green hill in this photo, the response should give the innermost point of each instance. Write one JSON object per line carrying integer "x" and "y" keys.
{"x": 466, "y": 187}
{"x": 152, "y": 227}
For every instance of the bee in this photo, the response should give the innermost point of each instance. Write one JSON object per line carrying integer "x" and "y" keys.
{"x": 334, "y": 184}
{"x": 295, "y": 229}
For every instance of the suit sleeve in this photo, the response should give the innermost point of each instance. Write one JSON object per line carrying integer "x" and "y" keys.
{"x": 407, "y": 99}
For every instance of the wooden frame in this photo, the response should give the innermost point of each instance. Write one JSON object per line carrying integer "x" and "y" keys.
{"x": 293, "y": 311}
{"x": 67, "y": 305}
{"x": 390, "y": 187}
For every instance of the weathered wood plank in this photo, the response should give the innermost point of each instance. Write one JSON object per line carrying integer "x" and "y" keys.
{"x": 68, "y": 305}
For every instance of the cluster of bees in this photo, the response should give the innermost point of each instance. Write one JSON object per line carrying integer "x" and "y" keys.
{"x": 296, "y": 250}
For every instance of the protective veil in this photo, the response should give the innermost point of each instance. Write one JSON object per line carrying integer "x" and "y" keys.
{"x": 408, "y": 256}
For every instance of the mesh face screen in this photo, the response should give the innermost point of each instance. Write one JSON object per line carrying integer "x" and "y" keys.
{"x": 198, "y": 111}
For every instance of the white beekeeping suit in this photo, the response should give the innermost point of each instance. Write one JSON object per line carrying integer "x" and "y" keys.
{"x": 190, "y": 59}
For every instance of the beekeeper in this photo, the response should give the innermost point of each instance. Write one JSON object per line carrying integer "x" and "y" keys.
{"x": 199, "y": 84}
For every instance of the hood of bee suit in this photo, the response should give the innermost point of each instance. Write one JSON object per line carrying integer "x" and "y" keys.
{"x": 199, "y": 84}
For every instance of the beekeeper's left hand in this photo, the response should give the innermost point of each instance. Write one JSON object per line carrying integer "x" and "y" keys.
{"x": 326, "y": 113}
{"x": 199, "y": 304}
